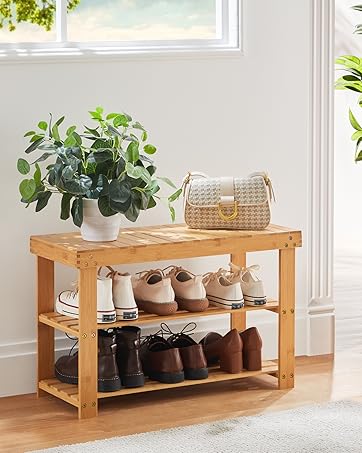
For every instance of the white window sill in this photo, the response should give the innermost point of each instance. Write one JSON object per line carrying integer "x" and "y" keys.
{"x": 73, "y": 54}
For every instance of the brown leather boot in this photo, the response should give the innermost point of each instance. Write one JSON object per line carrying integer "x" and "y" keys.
{"x": 161, "y": 362}
{"x": 225, "y": 349}
{"x": 252, "y": 345}
{"x": 66, "y": 367}
{"x": 128, "y": 356}
{"x": 192, "y": 355}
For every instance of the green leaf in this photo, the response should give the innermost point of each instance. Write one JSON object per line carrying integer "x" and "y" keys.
{"x": 27, "y": 134}
{"x": 172, "y": 212}
{"x": 358, "y": 156}
{"x": 149, "y": 149}
{"x": 100, "y": 110}
{"x": 132, "y": 153}
{"x": 70, "y": 141}
{"x": 138, "y": 125}
{"x": 353, "y": 121}
{"x": 55, "y": 133}
{"x": 120, "y": 120}
{"x": 78, "y": 186}
{"x": 96, "y": 115}
{"x": 138, "y": 172}
{"x": 27, "y": 188}
{"x": 357, "y": 135}
{"x": 152, "y": 203}
{"x": 59, "y": 121}
{"x": 70, "y": 130}
{"x": 43, "y": 198}
{"x": 119, "y": 191}
{"x": 43, "y": 125}
{"x": 120, "y": 207}
{"x": 34, "y": 145}
{"x": 36, "y": 137}
{"x": 23, "y": 166}
{"x": 111, "y": 115}
{"x": 67, "y": 173}
{"x": 92, "y": 131}
{"x": 104, "y": 206}
{"x": 175, "y": 196}
{"x": 114, "y": 131}
{"x": 77, "y": 211}
{"x": 167, "y": 181}
{"x": 43, "y": 157}
{"x": 65, "y": 206}
{"x": 144, "y": 136}
{"x": 37, "y": 175}
{"x": 132, "y": 212}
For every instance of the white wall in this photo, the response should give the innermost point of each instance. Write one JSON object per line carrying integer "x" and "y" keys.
{"x": 231, "y": 115}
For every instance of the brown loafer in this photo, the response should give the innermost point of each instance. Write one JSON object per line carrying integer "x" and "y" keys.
{"x": 227, "y": 350}
{"x": 192, "y": 355}
{"x": 252, "y": 345}
{"x": 66, "y": 367}
{"x": 161, "y": 361}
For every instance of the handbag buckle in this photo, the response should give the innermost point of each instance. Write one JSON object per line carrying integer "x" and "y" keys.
{"x": 232, "y": 216}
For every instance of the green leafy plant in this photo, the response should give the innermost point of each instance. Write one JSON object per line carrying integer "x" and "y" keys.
{"x": 38, "y": 12}
{"x": 110, "y": 162}
{"x": 352, "y": 80}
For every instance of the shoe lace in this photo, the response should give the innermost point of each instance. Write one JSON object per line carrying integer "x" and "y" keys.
{"x": 238, "y": 271}
{"x": 188, "y": 329}
{"x": 75, "y": 339}
{"x": 143, "y": 275}
{"x": 213, "y": 275}
{"x": 145, "y": 339}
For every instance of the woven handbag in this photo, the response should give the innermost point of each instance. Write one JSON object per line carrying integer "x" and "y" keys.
{"x": 227, "y": 202}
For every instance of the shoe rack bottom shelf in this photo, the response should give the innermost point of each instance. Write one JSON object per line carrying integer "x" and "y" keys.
{"x": 69, "y": 393}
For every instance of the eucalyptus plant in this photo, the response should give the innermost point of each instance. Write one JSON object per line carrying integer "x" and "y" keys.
{"x": 109, "y": 162}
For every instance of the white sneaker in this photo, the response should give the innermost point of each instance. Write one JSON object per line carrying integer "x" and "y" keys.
{"x": 123, "y": 298}
{"x": 251, "y": 286}
{"x": 153, "y": 292}
{"x": 67, "y": 302}
{"x": 222, "y": 292}
{"x": 189, "y": 289}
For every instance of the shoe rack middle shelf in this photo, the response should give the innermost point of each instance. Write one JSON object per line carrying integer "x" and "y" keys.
{"x": 71, "y": 325}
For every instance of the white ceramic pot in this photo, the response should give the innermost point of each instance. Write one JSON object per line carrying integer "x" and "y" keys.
{"x": 95, "y": 226}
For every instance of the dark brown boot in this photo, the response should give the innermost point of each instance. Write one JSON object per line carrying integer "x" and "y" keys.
{"x": 161, "y": 361}
{"x": 128, "y": 356}
{"x": 225, "y": 349}
{"x": 252, "y": 345}
{"x": 66, "y": 367}
{"x": 192, "y": 355}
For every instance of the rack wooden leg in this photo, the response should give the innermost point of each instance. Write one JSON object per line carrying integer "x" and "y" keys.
{"x": 88, "y": 344}
{"x": 286, "y": 318}
{"x": 45, "y": 300}
{"x": 237, "y": 318}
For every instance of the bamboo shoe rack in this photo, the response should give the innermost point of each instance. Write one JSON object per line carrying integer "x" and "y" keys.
{"x": 138, "y": 245}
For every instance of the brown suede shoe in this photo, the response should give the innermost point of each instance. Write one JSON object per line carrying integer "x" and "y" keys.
{"x": 225, "y": 349}
{"x": 161, "y": 362}
{"x": 66, "y": 367}
{"x": 128, "y": 356}
{"x": 252, "y": 345}
{"x": 192, "y": 355}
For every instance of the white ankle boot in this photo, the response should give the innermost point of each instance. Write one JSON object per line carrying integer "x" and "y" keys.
{"x": 67, "y": 302}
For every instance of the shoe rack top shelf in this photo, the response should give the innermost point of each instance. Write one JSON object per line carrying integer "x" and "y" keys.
{"x": 71, "y": 325}
{"x": 161, "y": 242}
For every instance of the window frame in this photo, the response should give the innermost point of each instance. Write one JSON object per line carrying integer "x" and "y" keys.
{"x": 229, "y": 27}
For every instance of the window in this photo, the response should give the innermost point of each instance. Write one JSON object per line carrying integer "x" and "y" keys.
{"x": 119, "y": 26}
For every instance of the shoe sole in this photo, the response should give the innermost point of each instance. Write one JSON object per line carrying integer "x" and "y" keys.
{"x": 254, "y": 300}
{"x": 126, "y": 314}
{"x": 157, "y": 308}
{"x": 167, "y": 378}
{"x": 104, "y": 385}
{"x": 135, "y": 380}
{"x": 192, "y": 305}
{"x": 226, "y": 304}
{"x": 196, "y": 374}
{"x": 73, "y": 312}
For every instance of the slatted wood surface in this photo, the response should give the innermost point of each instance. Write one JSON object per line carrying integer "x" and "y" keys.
{"x": 69, "y": 393}
{"x": 160, "y": 242}
{"x": 71, "y": 325}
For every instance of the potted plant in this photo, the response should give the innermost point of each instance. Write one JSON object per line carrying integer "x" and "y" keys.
{"x": 99, "y": 174}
